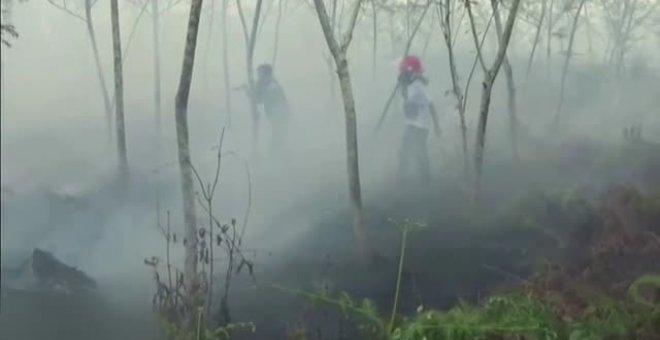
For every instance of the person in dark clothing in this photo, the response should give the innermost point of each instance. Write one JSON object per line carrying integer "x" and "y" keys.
{"x": 419, "y": 112}
{"x": 269, "y": 94}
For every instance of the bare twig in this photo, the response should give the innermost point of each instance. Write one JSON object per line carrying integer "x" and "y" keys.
{"x": 411, "y": 38}
{"x": 128, "y": 44}
{"x": 170, "y": 5}
{"x": 241, "y": 15}
{"x": 351, "y": 26}
{"x": 277, "y": 31}
{"x": 468, "y": 7}
{"x": 65, "y": 9}
{"x": 476, "y": 60}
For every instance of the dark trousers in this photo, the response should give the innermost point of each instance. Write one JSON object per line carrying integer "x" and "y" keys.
{"x": 414, "y": 153}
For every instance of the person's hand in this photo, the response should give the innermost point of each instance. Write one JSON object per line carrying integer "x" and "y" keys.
{"x": 243, "y": 87}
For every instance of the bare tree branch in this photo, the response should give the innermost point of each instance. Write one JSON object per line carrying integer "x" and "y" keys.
{"x": 476, "y": 60}
{"x": 351, "y": 26}
{"x": 468, "y": 7}
{"x": 411, "y": 38}
{"x": 241, "y": 15}
{"x": 64, "y": 8}
{"x": 170, "y": 5}
{"x": 327, "y": 29}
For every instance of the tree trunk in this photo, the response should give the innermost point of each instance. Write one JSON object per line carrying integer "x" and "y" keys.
{"x": 548, "y": 51}
{"x": 567, "y": 60}
{"x": 225, "y": 62}
{"x": 329, "y": 59}
{"x": 510, "y": 85}
{"x": 119, "y": 91}
{"x": 250, "y": 72}
{"x": 99, "y": 69}
{"x": 278, "y": 20}
{"x": 484, "y": 107}
{"x": 3, "y": 95}
{"x": 537, "y": 37}
{"x": 374, "y": 46}
{"x": 250, "y": 43}
{"x": 339, "y": 54}
{"x": 157, "y": 83}
{"x": 456, "y": 88}
{"x": 351, "y": 149}
{"x": 183, "y": 144}
{"x": 6, "y": 20}
{"x": 489, "y": 78}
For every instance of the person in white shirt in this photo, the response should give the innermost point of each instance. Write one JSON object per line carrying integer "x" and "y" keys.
{"x": 419, "y": 114}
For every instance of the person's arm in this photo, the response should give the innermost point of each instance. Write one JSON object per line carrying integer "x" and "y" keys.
{"x": 245, "y": 88}
{"x": 434, "y": 116}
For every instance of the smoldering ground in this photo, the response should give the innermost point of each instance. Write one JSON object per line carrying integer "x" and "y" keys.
{"x": 59, "y": 167}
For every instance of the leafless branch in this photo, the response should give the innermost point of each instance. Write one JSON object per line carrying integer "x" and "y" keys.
{"x": 476, "y": 59}
{"x": 241, "y": 15}
{"x": 269, "y": 7}
{"x": 133, "y": 29}
{"x": 319, "y": 5}
{"x": 506, "y": 37}
{"x": 351, "y": 26}
{"x": 473, "y": 29}
{"x": 65, "y": 9}
{"x": 170, "y": 5}
{"x": 249, "y": 202}
{"x": 411, "y": 38}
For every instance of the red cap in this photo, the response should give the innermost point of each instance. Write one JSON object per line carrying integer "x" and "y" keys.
{"x": 411, "y": 63}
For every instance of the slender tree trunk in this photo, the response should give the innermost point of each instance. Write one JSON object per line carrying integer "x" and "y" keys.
{"x": 374, "y": 46}
{"x": 183, "y": 143}
{"x": 155, "y": 12}
{"x": 333, "y": 79}
{"x": 627, "y": 19}
{"x": 250, "y": 71}
{"x": 339, "y": 54}
{"x": 119, "y": 91}
{"x": 510, "y": 85}
{"x": 208, "y": 45}
{"x": 475, "y": 36}
{"x": 393, "y": 41}
{"x": 567, "y": 61}
{"x": 278, "y": 20}
{"x": 99, "y": 69}
{"x": 328, "y": 58}
{"x": 352, "y": 150}
{"x": 548, "y": 45}
{"x": 3, "y": 95}
{"x": 445, "y": 22}
{"x": 487, "y": 87}
{"x": 537, "y": 37}
{"x": 6, "y": 20}
{"x": 225, "y": 62}
{"x": 250, "y": 44}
